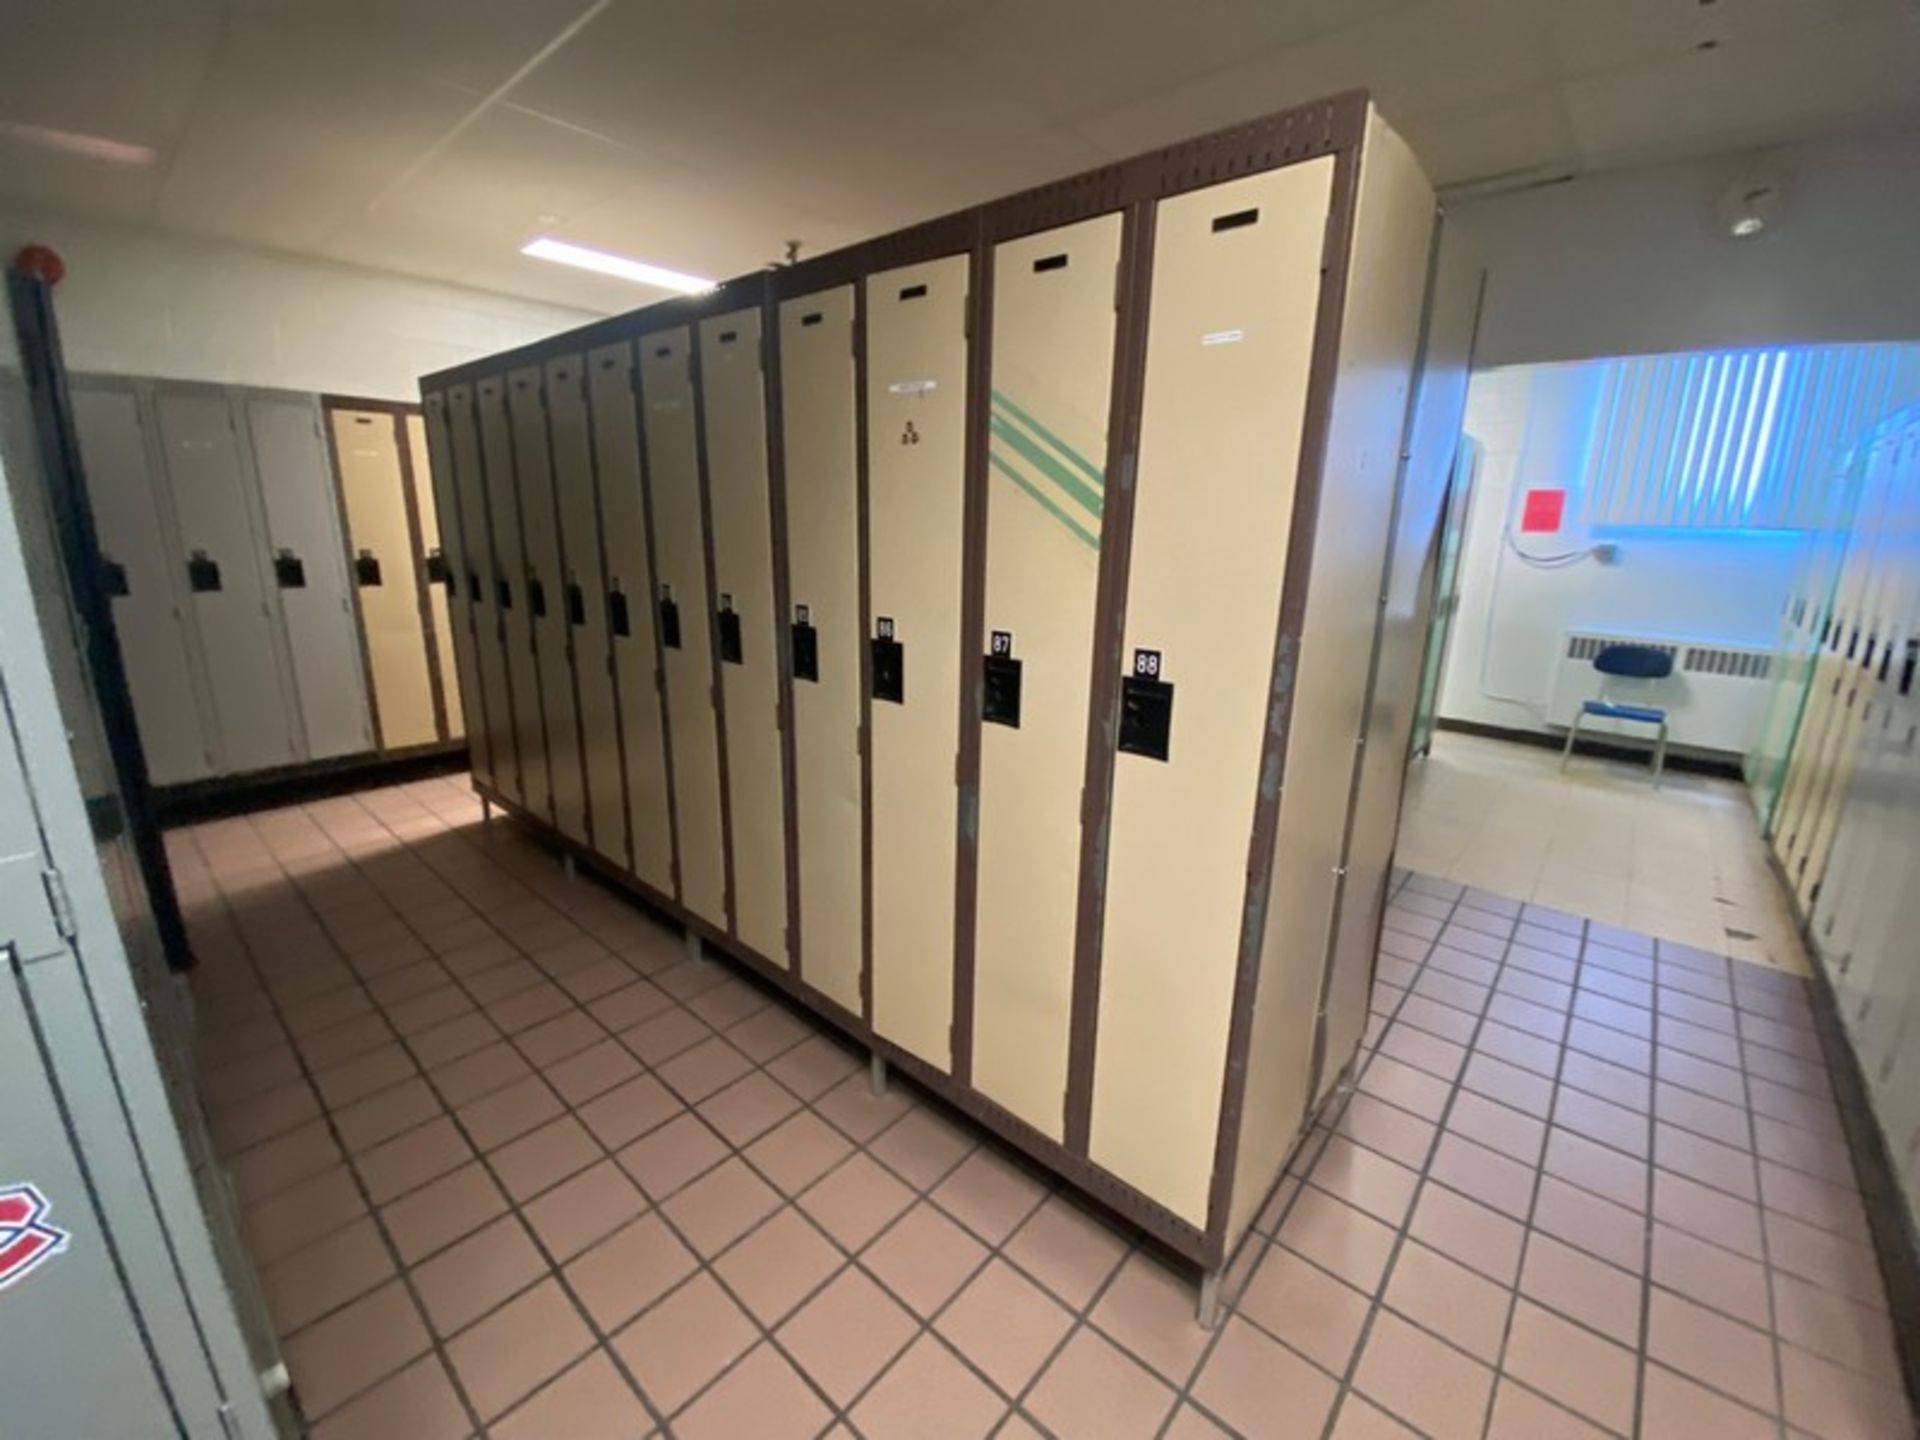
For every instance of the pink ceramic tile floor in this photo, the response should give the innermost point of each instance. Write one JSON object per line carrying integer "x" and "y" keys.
{"x": 513, "y": 1166}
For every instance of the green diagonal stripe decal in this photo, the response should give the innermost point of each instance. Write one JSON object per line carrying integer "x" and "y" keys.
{"x": 1005, "y": 468}
{"x": 1074, "y": 457}
{"x": 1088, "y": 499}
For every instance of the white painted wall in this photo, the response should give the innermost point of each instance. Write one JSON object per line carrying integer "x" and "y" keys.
{"x": 1533, "y": 423}
{"x": 144, "y": 303}
{"x": 1630, "y": 263}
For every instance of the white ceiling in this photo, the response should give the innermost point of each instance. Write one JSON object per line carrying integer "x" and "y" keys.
{"x": 435, "y": 137}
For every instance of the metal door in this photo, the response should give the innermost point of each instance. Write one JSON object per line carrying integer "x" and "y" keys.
{"x": 1236, "y": 282}
{"x": 916, "y": 449}
{"x": 637, "y": 672}
{"x": 440, "y": 643}
{"x": 681, "y": 614}
{"x": 366, "y": 453}
{"x": 148, "y": 608}
{"x": 733, "y": 400}
{"x": 547, "y": 601}
{"x": 1052, "y": 374}
{"x": 585, "y": 610}
{"x": 306, "y": 558}
{"x": 480, "y": 668}
{"x": 513, "y": 597}
{"x": 221, "y": 565}
{"x": 820, "y": 444}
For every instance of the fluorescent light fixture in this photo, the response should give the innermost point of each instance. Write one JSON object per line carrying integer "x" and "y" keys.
{"x": 618, "y": 266}
{"x": 73, "y": 142}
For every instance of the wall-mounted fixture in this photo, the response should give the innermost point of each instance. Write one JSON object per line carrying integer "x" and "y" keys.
{"x": 1750, "y": 203}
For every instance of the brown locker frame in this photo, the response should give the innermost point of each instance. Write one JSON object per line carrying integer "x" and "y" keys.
{"x": 397, "y": 412}
{"x": 1332, "y": 127}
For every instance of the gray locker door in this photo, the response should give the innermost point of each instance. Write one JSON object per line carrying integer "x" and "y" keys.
{"x": 686, "y": 637}
{"x": 733, "y": 397}
{"x": 303, "y": 523}
{"x": 547, "y": 599}
{"x": 468, "y": 584}
{"x": 510, "y": 594}
{"x": 637, "y": 671}
{"x": 427, "y": 509}
{"x": 820, "y": 442}
{"x": 584, "y": 610}
{"x": 148, "y": 608}
{"x": 916, "y": 479}
{"x": 221, "y": 566}
{"x": 1052, "y": 374}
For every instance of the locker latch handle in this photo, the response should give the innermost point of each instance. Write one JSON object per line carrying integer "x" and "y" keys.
{"x": 732, "y": 649}
{"x": 1000, "y": 683}
{"x": 503, "y": 592}
{"x": 618, "y": 618}
{"x": 806, "y": 649}
{"x": 669, "y": 620}
{"x": 438, "y": 571}
{"x": 888, "y": 659}
{"x": 1146, "y": 709}
{"x": 536, "y": 597}
{"x": 113, "y": 577}
{"x": 473, "y": 586}
{"x": 203, "y": 573}
{"x": 366, "y": 569}
{"x": 1907, "y": 666}
{"x": 289, "y": 570}
{"x": 576, "y": 603}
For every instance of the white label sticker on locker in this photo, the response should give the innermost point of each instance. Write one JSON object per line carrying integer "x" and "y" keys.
{"x": 1223, "y": 337}
{"x": 913, "y": 387}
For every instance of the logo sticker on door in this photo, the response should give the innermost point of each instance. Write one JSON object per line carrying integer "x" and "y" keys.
{"x": 26, "y": 1239}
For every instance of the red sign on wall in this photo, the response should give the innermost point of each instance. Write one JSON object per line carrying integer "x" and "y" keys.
{"x": 1542, "y": 511}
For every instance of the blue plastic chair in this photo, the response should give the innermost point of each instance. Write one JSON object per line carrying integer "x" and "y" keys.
{"x": 1632, "y": 662}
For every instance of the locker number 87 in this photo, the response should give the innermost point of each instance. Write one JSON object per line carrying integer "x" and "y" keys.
{"x": 1146, "y": 664}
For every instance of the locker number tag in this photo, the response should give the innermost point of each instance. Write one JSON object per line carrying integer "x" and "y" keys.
{"x": 1223, "y": 337}
{"x": 1146, "y": 664}
{"x": 913, "y": 387}
{"x": 726, "y": 602}
{"x": 803, "y": 614}
{"x": 883, "y": 628}
{"x": 1000, "y": 643}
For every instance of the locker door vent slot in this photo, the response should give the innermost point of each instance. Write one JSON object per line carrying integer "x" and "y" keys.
{"x": 669, "y": 622}
{"x": 203, "y": 574}
{"x": 913, "y": 292}
{"x": 1000, "y": 692}
{"x": 813, "y": 317}
{"x": 289, "y": 570}
{"x": 113, "y": 577}
{"x": 890, "y": 671}
{"x": 438, "y": 571}
{"x": 806, "y": 651}
{"x": 1146, "y": 709}
{"x": 576, "y": 603}
{"x": 731, "y": 651}
{"x": 619, "y": 618}
{"x": 1239, "y": 220}
{"x": 1049, "y": 262}
{"x": 536, "y": 597}
{"x": 366, "y": 568}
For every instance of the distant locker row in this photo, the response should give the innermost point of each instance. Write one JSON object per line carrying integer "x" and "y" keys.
{"x": 269, "y": 558}
{"x": 929, "y": 632}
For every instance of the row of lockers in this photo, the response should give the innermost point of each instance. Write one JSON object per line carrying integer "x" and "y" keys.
{"x": 272, "y": 605}
{"x": 935, "y": 634}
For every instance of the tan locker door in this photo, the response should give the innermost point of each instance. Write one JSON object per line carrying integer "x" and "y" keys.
{"x": 916, "y": 484}
{"x": 502, "y": 646}
{"x": 582, "y": 602}
{"x": 470, "y": 586}
{"x": 221, "y": 561}
{"x": 733, "y": 397}
{"x": 629, "y": 610}
{"x": 149, "y": 599}
{"x": 511, "y": 594}
{"x": 820, "y": 442}
{"x": 427, "y": 510}
{"x": 1236, "y": 282}
{"x": 366, "y": 451}
{"x": 680, "y": 609}
{"x": 1052, "y": 369}
{"x": 547, "y": 600}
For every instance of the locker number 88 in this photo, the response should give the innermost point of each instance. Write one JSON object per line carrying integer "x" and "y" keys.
{"x": 1146, "y": 664}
